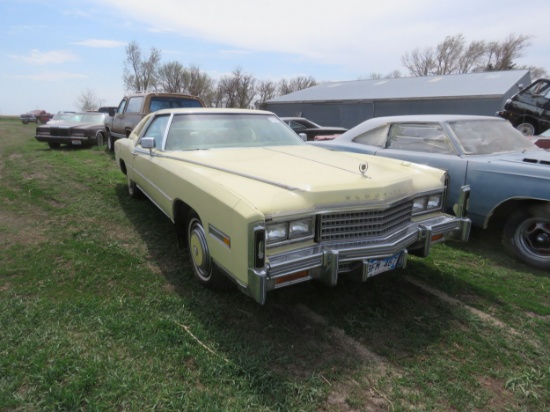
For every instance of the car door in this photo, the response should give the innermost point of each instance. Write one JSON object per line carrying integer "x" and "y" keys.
{"x": 118, "y": 119}
{"x": 427, "y": 143}
{"x": 149, "y": 174}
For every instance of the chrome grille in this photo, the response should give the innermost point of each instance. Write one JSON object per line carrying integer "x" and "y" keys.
{"x": 362, "y": 224}
{"x": 60, "y": 131}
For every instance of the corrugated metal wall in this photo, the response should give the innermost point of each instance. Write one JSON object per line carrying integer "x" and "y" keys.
{"x": 350, "y": 113}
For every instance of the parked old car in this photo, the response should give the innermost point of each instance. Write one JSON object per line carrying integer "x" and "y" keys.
{"x": 134, "y": 107}
{"x": 80, "y": 129}
{"x": 255, "y": 204}
{"x": 529, "y": 109}
{"x": 35, "y": 116}
{"x": 312, "y": 130}
{"x": 508, "y": 175}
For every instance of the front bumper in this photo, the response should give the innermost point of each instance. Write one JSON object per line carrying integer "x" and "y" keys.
{"x": 325, "y": 261}
{"x": 69, "y": 140}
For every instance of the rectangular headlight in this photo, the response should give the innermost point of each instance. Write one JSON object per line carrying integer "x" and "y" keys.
{"x": 427, "y": 203}
{"x": 276, "y": 232}
{"x": 300, "y": 228}
{"x": 434, "y": 202}
{"x": 419, "y": 205}
{"x": 291, "y": 230}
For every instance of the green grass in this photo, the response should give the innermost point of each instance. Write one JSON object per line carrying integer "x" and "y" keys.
{"x": 99, "y": 311}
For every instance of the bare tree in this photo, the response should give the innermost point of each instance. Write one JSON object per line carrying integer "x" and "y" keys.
{"x": 419, "y": 62}
{"x": 266, "y": 90}
{"x": 87, "y": 101}
{"x": 501, "y": 55}
{"x": 393, "y": 75}
{"x": 375, "y": 76}
{"x": 472, "y": 57}
{"x": 199, "y": 83}
{"x": 447, "y": 54}
{"x": 140, "y": 74}
{"x": 295, "y": 84}
{"x": 536, "y": 72}
{"x": 454, "y": 56}
{"x": 237, "y": 90}
{"x": 171, "y": 78}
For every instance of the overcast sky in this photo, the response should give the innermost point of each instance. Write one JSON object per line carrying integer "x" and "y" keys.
{"x": 52, "y": 51}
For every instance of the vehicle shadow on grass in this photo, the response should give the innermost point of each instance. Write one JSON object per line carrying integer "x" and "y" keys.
{"x": 486, "y": 244}
{"x": 305, "y": 331}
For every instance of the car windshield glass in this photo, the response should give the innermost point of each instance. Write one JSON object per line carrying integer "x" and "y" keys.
{"x": 89, "y": 118}
{"x": 65, "y": 117}
{"x": 480, "y": 137}
{"x": 212, "y": 131}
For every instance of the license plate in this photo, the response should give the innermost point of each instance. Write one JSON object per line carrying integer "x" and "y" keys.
{"x": 76, "y": 142}
{"x": 377, "y": 266}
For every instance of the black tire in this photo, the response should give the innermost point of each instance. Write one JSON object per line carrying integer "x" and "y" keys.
{"x": 53, "y": 145}
{"x": 100, "y": 139}
{"x": 526, "y": 235}
{"x": 133, "y": 190}
{"x": 199, "y": 255}
{"x": 110, "y": 142}
{"x": 527, "y": 129}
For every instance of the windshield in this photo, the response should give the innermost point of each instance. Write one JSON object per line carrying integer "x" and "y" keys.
{"x": 481, "y": 137}
{"x": 227, "y": 130}
{"x": 86, "y": 117}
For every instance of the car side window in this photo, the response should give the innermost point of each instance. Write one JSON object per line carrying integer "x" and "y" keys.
{"x": 541, "y": 88}
{"x": 420, "y": 137}
{"x": 122, "y": 106}
{"x": 376, "y": 137}
{"x": 296, "y": 126}
{"x": 134, "y": 104}
{"x": 157, "y": 129}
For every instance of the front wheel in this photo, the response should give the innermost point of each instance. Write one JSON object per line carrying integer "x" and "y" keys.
{"x": 199, "y": 254}
{"x": 526, "y": 129}
{"x": 100, "y": 139}
{"x": 133, "y": 190}
{"x": 526, "y": 235}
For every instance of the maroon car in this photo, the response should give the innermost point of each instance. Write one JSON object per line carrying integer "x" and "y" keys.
{"x": 35, "y": 116}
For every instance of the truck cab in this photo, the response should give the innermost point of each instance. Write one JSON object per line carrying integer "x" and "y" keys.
{"x": 133, "y": 108}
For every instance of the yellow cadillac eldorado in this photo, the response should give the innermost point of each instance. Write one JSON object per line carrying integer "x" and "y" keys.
{"x": 255, "y": 205}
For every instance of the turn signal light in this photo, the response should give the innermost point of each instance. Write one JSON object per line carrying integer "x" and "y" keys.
{"x": 293, "y": 276}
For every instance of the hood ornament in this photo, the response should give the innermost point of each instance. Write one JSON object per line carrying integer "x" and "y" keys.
{"x": 363, "y": 167}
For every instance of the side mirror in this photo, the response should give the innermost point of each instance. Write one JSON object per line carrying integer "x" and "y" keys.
{"x": 112, "y": 112}
{"x": 148, "y": 143}
{"x": 303, "y": 136}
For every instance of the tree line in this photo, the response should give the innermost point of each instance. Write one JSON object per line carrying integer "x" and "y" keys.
{"x": 236, "y": 90}
{"x": 242, "y": 90}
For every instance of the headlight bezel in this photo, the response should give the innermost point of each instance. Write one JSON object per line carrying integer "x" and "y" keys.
{"x": 428, "y": 203}
{"x": 290, "y": 231}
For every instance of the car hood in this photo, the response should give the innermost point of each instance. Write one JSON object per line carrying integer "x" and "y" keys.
{"x": 282, "y": 178}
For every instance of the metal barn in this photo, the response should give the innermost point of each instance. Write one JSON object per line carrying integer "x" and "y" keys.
{"x": 349, "y": 103}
